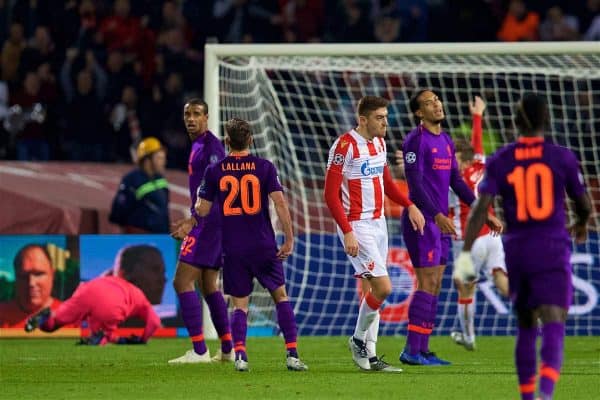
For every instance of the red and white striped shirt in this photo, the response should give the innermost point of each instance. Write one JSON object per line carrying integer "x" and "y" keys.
{"x": 361, "y": 165}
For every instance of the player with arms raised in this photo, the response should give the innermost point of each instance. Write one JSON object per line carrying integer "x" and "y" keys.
{"x": 242, "y": 184}
{"x": 201, "y": 253}
{"x": 532, "y": 175}
{"x": 356, "y": 180}
{"x": 487, "y": 253}
{"x": 431, "y": 169}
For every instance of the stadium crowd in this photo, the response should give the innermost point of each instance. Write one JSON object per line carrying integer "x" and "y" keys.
{"x": 88, "y": 79}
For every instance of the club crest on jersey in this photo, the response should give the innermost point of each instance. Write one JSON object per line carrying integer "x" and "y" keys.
{"x": 367, "y": 170}
{"x": 410, "y": 157}
{"x": 338, "y": 159}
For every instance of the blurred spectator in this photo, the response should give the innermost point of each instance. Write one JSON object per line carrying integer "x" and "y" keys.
{"x": 88, "y": 36}
{"x": 388, "y": 28}
{"x": 519, "y": 24}
{"x": 415, "y": 17}
{"x": 39, "y": 50}
{"x": 29, "y": 121}
{"x": 176, "y": 139}
{"x": 303, "y": 20}
{"x": 558, "y": 26}
{"x": 179, "y": 58}
{"x": 125, "y": 32}
{"x": 34, "y": 279}
{"x": 118, "y": 74}
{"x": 172, "y": 17}
{"x": 586, "y": 11}
{"x": 11, "y": 53}
{"x": 593, "y": 33}
{"x": 121, "y": 30}
{"x": 32, "y": 13}
{"x": 464, "y": 21}
{"x": 125, "y": 122}
{"x": 87, "y": 137}
{"x": 5, "y": 11}
{"x": 265, "y": 21}
{"x": 232, "y": 20}
{"x": 351, "y": 22}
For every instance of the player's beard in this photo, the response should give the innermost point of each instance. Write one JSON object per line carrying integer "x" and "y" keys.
{"x": 193, "y": 134}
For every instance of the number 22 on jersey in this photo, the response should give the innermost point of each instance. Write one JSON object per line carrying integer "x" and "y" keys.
{"x": 534, "y": 191}
{"x": 247, "y": 188}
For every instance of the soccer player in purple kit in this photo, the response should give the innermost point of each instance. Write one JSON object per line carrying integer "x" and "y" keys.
{"x": 242, "y": 184}
{"x": 431, "y": 169}
{"x": 532, "y": 175}
{"x": 200, "y": 257}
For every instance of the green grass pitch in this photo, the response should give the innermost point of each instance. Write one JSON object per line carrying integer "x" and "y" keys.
{"x": 57, "y": 369}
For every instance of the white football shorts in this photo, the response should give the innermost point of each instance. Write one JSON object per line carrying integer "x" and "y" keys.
{"x": 487, "y": 254}
{"x": 372, "y": 237}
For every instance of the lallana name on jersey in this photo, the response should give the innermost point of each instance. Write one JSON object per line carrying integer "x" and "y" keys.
{"x": 243, "y": 166}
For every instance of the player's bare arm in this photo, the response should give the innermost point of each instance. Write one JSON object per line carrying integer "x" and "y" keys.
{"x": 414, "y": 214}
{"x": 494, "y": 224}
{"x": 283, "y": 212}
{"x": 477, "y": 217}
{"x": 477, "y": 106}
{"x": 202, "y": 207}
{"x": 351, "y": 244}
{"x": 180, "y": 228}
{"x": 464, "y": 270}
{"x": 583, "y": 210}
{"x": 445, "y": 224}
{"x": 416, "y": 218}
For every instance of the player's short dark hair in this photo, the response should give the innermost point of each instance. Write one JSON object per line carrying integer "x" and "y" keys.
{"x": 531, "y": 114}
{"x": 239, "y": 132}
{"x": 18, "y": 260}
{"x": 368, "y": 104}
{"x": 195, "y": 101}
{"x": 414, "y": 99}
{"x": 462, "y": 146}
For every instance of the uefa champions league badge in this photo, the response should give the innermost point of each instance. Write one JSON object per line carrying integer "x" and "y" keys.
{"x": 338, "y": 159}
{"x": 410, "y": 157}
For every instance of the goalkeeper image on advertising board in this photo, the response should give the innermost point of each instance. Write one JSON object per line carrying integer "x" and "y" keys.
{"x": 107, "y": 301}
{"x": 531, "y": 176}
{"x": 355, "y": 183}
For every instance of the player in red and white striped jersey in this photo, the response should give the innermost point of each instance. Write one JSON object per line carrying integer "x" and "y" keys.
{"x": 357, "y": 179}
{"x": 487, "y": 251}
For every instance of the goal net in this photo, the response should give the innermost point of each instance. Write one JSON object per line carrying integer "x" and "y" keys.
{"x": 299, "y": 98}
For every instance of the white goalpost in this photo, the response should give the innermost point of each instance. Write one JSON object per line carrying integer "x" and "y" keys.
{"x": 300, "y": 97}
